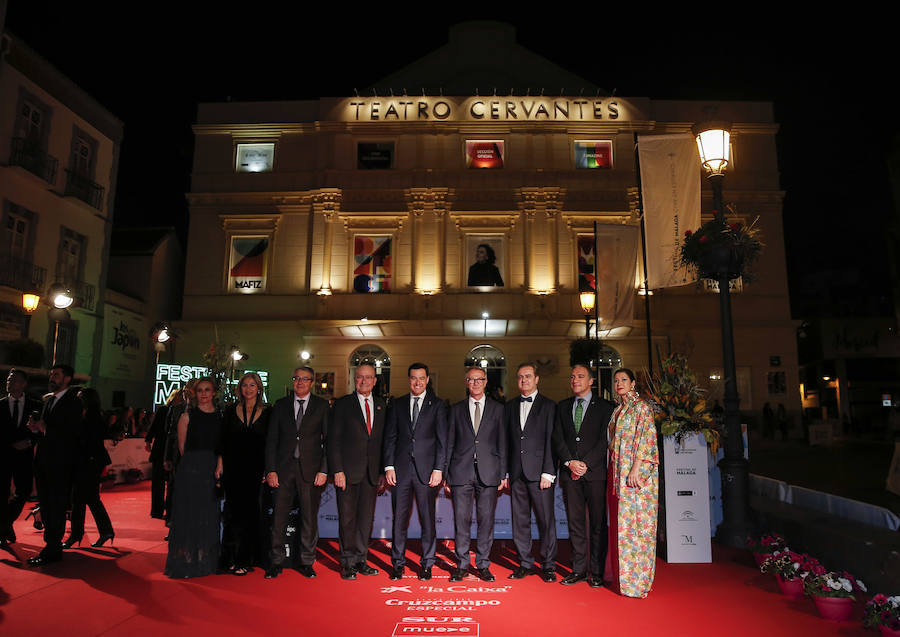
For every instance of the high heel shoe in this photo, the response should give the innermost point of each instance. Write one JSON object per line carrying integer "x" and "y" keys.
{"x": 103, "y": 538}
{"x": 36, "y": 514}
{"x": 72, "y": 541}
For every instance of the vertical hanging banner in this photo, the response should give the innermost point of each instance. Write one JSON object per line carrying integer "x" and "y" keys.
{"x": 670, "y": 181}
{"x": 617, "y": 248}
{"x": 247, "y": 265}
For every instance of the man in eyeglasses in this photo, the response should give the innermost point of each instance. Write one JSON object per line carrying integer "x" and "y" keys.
{"x": 297, "y": 468}
{"x": 476, "y": 468}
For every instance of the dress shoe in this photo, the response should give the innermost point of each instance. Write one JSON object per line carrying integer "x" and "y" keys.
{"x": 272, "y": 572}
{"x": 306, "y": 570}
{"x": 458, "y": 575}
{"x": 574, "y": 578}
{"x": 45, "y": 557}
{"x": 103, "y": 539}
{"x": 426, "y": 573}
{"x": 521, "y": 572}
{"x": 364, "y": 569}
{"x": 486, "y": 575}
{"x": 595, "y": 581}
{"x": 548, "y": 575}
{"x": 397, "y": 572}
{"x": 72, "y": 541}
{"x": 348, "y": 573}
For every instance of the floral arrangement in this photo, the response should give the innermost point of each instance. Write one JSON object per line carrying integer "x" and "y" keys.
{"x": 717, "y": 238}
{"x": 832, "y": 584}
{"x": 789, "y": 565}
{"x": 218, "y": 363}
{"x": 679, "y": 404}
{"x": 882, "y": 611}
{"x": 766, "y": 544}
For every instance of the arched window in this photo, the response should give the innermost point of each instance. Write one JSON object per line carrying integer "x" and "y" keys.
{"x": 377, "y": 358}
{"x": 609, "y": 362}
{"x": 493, "y": 362}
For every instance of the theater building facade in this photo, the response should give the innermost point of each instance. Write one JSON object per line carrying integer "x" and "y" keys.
{"x": 458, "y": 230}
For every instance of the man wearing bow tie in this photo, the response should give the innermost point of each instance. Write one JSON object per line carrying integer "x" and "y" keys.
{"x": 354, "y": 456}
{"x": 415, "y": 446}
{"x": 532, "y": 472}
{"x": 580, "y": 441}
{"x": 16, "y": 450}
{"x": 297, "y": 468}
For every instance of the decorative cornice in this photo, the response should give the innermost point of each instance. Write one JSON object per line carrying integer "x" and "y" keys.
{"x": 484, "y": 221}
{"x": 249, "y": 223}
{"x": 418, "y": 200}
{"x": 372, "y": 221}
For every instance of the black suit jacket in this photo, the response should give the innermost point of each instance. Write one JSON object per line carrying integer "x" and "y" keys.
{"x": 531, "y": 449}
{"x": 282, "y": 437}
{"x": 11, "y": 432}
{"x": 63, "y": 440}
{"x": 589, "y": 445}
{"x": 427, "y": 444}
{"x": 490, "y": 444}
{"x": 351, "y": 449}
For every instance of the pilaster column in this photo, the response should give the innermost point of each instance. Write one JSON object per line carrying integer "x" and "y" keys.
{"x": 546, "y": 200}
{"x": 327, "y": 203}
{"x": 420, "y": 201}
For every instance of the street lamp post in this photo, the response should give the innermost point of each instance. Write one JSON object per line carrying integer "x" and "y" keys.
{"x": 713, "y": 140}
{"x": 61, "y": 299}
{"x": 587, "y": 306}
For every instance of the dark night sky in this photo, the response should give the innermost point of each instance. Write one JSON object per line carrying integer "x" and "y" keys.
{"x": 151, "y": 67}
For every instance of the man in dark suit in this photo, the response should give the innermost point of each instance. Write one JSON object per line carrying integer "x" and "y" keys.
{"x": 476, "y": 467}
{"x": 415, "y": 447}
{"x": 59, "y": 438}
{"x": 16, "y": 450}
{"x": 354, "y": 456}
{"x": 580, "y": 441}
{"x": 296, "y": 467}
{"x": 532, "y": 470}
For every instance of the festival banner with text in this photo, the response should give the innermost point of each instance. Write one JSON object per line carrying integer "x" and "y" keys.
{"x": 670, "y": 181}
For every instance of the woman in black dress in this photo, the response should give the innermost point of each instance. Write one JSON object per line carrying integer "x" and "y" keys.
{"x": 246, "y": 424}
{"x": 194, "y": 530}
{"x": 92, "y": 459}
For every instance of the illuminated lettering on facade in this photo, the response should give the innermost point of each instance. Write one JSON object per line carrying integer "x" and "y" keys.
{"x": 403, "y": 109}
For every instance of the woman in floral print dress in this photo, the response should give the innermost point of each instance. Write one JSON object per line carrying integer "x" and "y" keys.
{"x": 632, "y": 491}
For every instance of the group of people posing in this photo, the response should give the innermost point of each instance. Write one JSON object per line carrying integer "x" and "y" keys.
{"x": 603, "y": 455}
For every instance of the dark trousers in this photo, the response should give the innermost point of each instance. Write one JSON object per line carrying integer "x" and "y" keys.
{"x": 21, "y": 470}
{"x": 86, "y": 494}
{"x": 54, "y": 484}
{"x": 409, "y": 488}
{"x": 485, "y": 504}
{"x": 158, "y": 479}
{"x": 291, "y": 487}
{"x": 586, "y": 512}
{"x": 240, "y": 538}
{"x": 525, "y": 496}
{"x": 356, "y": 510}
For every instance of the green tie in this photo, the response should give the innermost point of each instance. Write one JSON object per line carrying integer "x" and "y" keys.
{"x": 579, "y": 414}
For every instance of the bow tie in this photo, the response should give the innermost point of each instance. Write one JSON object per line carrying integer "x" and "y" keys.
{"x": 525, "y": 399}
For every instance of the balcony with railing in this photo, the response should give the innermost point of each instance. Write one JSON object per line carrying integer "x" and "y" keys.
{"x": 84, "y": 188}
{"x": 21, "y": 275}
{"x": 27, "y": 154}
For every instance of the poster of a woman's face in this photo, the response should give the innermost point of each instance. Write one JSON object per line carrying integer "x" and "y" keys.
{"x": 485, "y": 255}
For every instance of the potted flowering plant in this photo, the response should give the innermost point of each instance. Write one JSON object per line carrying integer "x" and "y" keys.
{"x": 679, "y": 403}
{"x": 790, "y": 569}
{"x": 833, "y": 593}
{"x": 765, "y": 546}
{"x": 718, "y": 247}
{"x": 883, "y": 612}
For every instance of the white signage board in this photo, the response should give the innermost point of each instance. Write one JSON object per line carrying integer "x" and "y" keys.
{"x": 687, "y": 500}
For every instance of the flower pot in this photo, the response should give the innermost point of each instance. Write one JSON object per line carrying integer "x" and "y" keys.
{"x": 792, "y": 588}
{"x": 834, "y": 609}
{"x": 720, "y": 259}
{"x": 759, "y": 558}
{"x": 887, "y": 631}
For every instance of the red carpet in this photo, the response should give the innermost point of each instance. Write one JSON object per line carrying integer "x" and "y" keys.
{"x": 122, "y": 591}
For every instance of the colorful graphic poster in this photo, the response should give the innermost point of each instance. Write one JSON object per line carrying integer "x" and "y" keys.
{"x": 593, "y": 154}
{"x": 375, "y": 156}
{"x": 484, "y": 154}
{"x": 247, "y": 265}
{"x": 371, "y": 264}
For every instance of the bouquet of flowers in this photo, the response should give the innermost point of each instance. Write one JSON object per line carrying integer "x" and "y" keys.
{"x": 766, "y": 544}
{"x": 717, "y": 240}
{"x": 832, "y": 584}
{"x": 679, "y": 403}
{"x": 789, "y": 565}
{"x": 883, "y": 611}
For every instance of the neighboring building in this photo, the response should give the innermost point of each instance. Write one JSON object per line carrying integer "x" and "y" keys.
{"x": 350, "y": 228}
{"x": 59, "y": 154}
{"x": 146, "y": 273}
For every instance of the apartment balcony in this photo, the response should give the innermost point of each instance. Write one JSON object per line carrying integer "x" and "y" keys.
{"x": 26, "y": 154}
{"x": 21, "y": 275}
{"x": 85, "y": 189}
